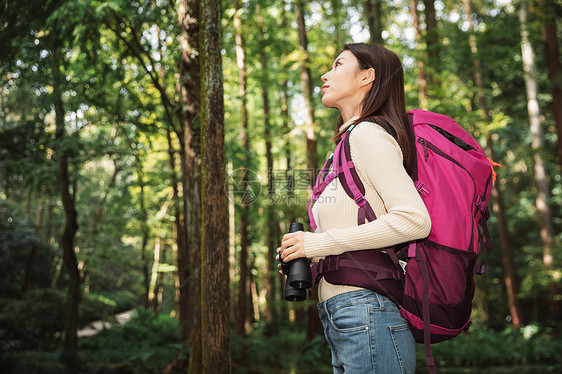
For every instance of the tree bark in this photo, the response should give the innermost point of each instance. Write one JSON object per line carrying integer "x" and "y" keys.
{"x": 215, "y": 323}
{"x": 511, "y": 279}
{"x": 374, "y": 20}
{"x": 70, "y": 227}
{"x": 189, "y": 256}
{"x": 421, "y": 64}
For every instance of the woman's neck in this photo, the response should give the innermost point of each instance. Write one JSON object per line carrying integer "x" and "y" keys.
{"x": 348, "y": 114}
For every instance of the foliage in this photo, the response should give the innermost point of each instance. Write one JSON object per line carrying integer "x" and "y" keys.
{"x": 145, "y": 344}
{"x": 482, "y": 348}
{"x": 104, "y": 306}
{"x": 35, "y": 362}
{"x": 289, "y": 351}
{"x": 34, "y": 321}
{"x": 123, "y": 104}
{"x": 16, "y": 244}
{"x": 478, "y": 349}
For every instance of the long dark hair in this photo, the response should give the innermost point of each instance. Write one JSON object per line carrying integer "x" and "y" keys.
{"x": 385, "y": 103}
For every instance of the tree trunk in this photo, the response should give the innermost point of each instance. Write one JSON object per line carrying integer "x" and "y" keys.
{"x": 69, "y": 230}
{"x": 215, "y": 321}
{"x": 314, "y": 325}
{"x": 537, "y": 144}
{"x": 374, "y": 20}
{"x": 271, "y": 222}
{"x": 421, "y": 64}
{"x": 551, "y": 43}
{"x": 152, "y": 300}
{"x": 243, "y": 308}
{"x": 99, "y": 210}
{"x": 286, "y": 117}
{"x": 511, "y": 280}
{"x": 338, "y": 17}
{"x": 179, "y": 236}
{"x": 145, "y": 230}
{"x": 232, "y": 237}
{"x": 189, "y": 135}
{"x": 432, "y": 41}
{"x": 306, "y": 86}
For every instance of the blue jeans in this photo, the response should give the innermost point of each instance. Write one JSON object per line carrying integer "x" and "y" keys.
{"x": 367, "y": 334}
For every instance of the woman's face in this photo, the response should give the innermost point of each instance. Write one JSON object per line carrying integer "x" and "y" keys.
{"x": 342, "y": 84}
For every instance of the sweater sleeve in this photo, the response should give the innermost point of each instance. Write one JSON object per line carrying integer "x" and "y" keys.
{"x": 378, "y": 159}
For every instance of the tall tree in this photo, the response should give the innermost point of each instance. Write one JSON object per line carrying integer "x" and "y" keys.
{"x": 215, "y": 322}
{"x": 537, "y": 142}
{"x": 373, "y": 10}
{"x": 511, "y": 280}
{"x": 306, "y": 86}
{"x": 421, "y": 64}
{"x": 242, "y": 307}
{"x": 542, "y": 201}
{"x": 550, "y": 13}
{"x": 271, "y": 222}
{"x": 189, "y": 89}
{"x": 338, "y": 18}
{"x": 314, "y": 326}
{"x": 432, "y": 40}
{"x": 70, "y": 228}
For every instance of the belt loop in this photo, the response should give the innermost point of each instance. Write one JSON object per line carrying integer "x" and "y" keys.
{"x": 380, "y": 300}
{"x": 328, "y": 315}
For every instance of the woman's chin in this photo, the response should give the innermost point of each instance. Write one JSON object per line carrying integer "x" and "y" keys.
{"x": 326, "y": 102}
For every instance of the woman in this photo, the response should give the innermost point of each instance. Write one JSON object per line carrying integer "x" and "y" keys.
{"x": 364, "y": 328}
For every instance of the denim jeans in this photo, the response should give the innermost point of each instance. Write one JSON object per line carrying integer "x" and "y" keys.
{"x": 367, "y": 334}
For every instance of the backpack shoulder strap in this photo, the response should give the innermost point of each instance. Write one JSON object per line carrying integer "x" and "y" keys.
{"x": 350, "y": 181}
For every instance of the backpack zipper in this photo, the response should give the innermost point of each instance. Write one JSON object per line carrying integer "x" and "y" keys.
{"x": 426, "y": 144}
{"x": 423, "y": 142}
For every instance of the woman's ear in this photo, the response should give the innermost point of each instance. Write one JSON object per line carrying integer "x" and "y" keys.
{"x": 368, "y": 76}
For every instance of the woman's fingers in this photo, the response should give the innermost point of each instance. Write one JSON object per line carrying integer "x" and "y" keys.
{"x": 287, "y": 241}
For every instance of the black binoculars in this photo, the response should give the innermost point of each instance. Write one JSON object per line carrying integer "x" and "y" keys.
{"x": 299, "y": 276}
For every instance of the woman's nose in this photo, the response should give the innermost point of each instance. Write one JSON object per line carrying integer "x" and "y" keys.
{"x": 324, "y": 78}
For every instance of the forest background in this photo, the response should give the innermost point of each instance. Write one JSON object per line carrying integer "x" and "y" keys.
{"x": 152, "y": 154}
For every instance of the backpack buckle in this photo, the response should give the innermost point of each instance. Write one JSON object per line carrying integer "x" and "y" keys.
{"x": 328, "y": 264}
{"x": 360, "y": 200}
{"x": 481, "y": 204}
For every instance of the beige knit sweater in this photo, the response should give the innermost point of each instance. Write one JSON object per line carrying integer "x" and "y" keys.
{"x": 401, "y": 213}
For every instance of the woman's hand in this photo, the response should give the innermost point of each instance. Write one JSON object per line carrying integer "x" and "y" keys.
{"x": 292, "y": 247}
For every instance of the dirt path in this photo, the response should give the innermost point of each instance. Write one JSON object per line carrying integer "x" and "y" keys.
{"x": 97, "y": 326}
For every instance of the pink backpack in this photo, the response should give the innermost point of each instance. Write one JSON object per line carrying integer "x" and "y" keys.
{"x": 454, "y": 178}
